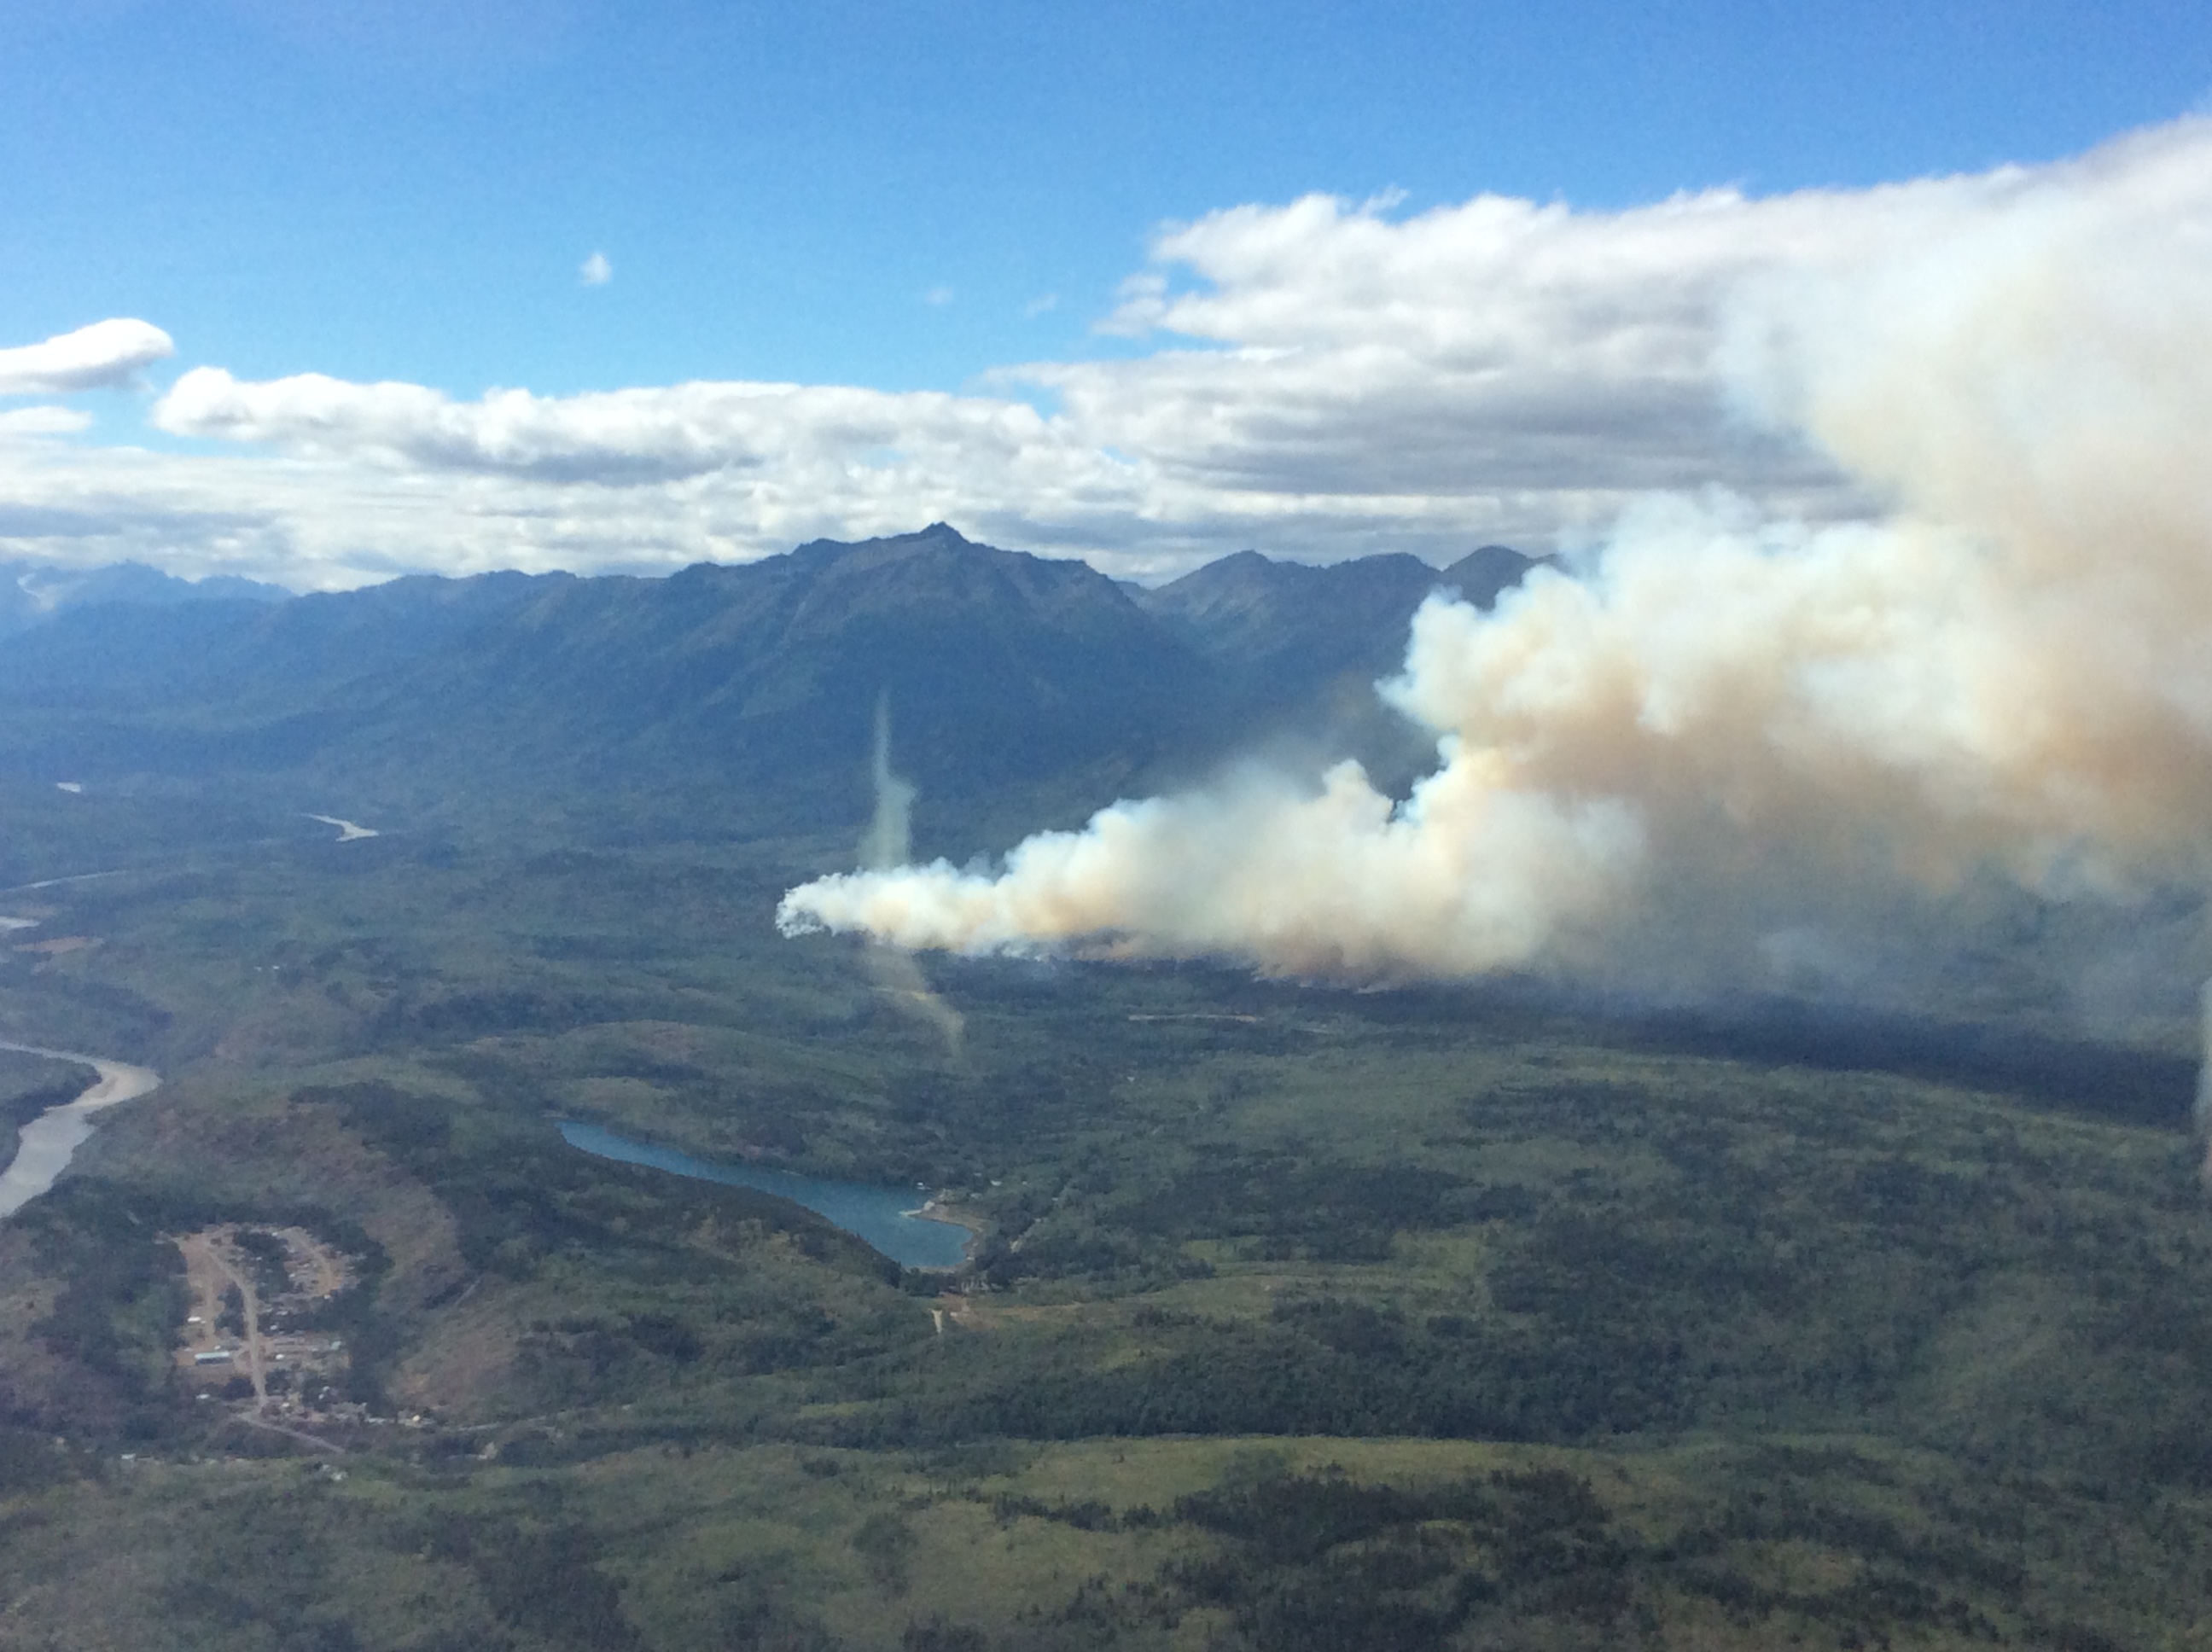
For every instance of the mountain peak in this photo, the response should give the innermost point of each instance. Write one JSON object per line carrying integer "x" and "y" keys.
{"x": 937, "y": 539}
{"x": 1251, "y": 604}
{"x": 1484, "y": 572}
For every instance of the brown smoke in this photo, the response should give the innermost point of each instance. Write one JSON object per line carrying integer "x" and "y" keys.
{"x": 2008, "y": 675}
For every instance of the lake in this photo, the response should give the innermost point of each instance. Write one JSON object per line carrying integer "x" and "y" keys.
{"x": 882, "y": 1216}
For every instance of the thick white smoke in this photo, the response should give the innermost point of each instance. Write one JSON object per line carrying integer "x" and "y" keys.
{"x": 2010, "y": 673}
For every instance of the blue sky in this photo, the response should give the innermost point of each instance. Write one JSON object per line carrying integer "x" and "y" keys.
{"x": 898, "y": 197}
{"x": 779, "y": 190}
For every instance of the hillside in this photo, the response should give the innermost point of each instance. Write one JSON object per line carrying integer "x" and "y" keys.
{"x": 1296, "y": 650}
{"x": 1278, "y": 628}
{"x": 743, "y": 692}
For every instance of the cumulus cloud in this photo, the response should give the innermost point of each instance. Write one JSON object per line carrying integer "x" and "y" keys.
{"x": 596, "y": 272}
{"x": 1495, "y": 370}
{"x": 782, "y": 434}
{"x": 1316, "y": 378}
{"x": 1724, "y": 721}
{"x": 106, "y": 353}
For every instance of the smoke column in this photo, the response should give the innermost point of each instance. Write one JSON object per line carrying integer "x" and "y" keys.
{"x": 1718, "y": 726}
{"x": 890, "y": 840}
{"x": 888, "y": 845}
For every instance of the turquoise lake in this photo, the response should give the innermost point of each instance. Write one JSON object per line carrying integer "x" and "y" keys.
{"x": 878, "y": 1214}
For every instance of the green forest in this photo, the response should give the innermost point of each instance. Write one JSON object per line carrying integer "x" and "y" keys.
{"x": 1295, "y": 1317}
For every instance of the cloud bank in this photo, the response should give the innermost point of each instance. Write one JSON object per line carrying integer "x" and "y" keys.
{"x": 1727, "y": 720}
{"x": 1320, "y": 379}
{"x": 781, "y": 434}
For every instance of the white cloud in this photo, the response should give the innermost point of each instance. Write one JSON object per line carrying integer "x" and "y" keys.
{"x": 1316, "y": 378}
{"x": 773, "y": 435}
{"x": 104, "y": 354}
{"x": 1040, "y": 305}
{"x": 596, "y": 272}
{"x": 938, "y": 296}
{"x": 43, "y": 421}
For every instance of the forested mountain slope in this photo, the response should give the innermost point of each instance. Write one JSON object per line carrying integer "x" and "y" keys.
{"x": 750, "y": 688}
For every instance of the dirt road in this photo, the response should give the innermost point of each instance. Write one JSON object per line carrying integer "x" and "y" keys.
{"x": 201, "y": 1253}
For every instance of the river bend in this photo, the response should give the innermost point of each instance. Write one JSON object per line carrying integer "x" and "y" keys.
{"x": 51, "y": 1139}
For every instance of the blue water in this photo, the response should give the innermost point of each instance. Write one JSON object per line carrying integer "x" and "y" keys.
{"x": 877, "y": 1215}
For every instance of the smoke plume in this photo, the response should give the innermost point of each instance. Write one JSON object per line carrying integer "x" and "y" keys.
{"x": 887, "y": 845}
{"x": 1719, "y": 732}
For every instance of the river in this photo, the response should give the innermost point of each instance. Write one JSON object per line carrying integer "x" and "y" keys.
{"x": 51, "y": 1139}
{"x": 884, "y": 1216}
{"x": 348, "y": 832}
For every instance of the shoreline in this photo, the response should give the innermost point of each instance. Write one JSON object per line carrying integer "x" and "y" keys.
{"x": 47, "y": 1143}
{"x": 933, "y": 1209}
{"x": 871, "y": 1211}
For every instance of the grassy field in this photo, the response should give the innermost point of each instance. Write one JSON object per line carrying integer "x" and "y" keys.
{"x": 1290, "y": 1542}
{"x": 1301, "y": 1318}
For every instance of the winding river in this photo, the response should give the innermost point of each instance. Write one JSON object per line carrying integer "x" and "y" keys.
{"x": 54, "y": 1136}
{"x": 349, "y": 831}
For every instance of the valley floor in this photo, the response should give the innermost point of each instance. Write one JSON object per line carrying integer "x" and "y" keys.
{"x": 1296, "y": 1319}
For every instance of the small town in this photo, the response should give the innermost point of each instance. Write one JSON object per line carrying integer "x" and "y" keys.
{"x": 255, "y": 1334}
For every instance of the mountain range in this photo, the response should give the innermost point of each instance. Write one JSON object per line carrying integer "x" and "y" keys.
{"x": 32, "y": 592}
{"x": 749, "y": 689}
